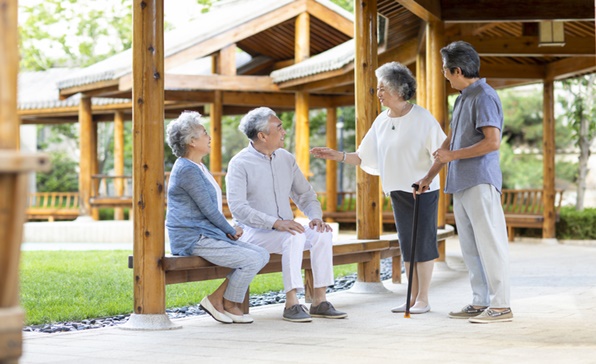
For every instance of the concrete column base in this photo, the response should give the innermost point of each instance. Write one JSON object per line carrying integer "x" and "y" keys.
{"x": 369, "y": 287}
{"x": 146, "y": 322}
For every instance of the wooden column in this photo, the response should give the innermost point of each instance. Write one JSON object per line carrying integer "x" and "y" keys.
{"x": 119, "y": 160}
{"x": 368, "y": 207}
{"x": 148, "y": 169}
{"x": 421, "y": 83}
{"x": 87, "y": 143}
{"x": 436, "y": 102}
{"x": 14, "y": 175}
{"x": 224, "y": 64}
{"x": 94, "y": 164}
{"x": 331, "y": 165}
{"x": 548, "y": 160}
{"x": 301, "y": 53}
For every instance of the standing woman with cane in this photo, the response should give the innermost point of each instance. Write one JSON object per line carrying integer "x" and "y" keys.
{"x": 399, "y": 147}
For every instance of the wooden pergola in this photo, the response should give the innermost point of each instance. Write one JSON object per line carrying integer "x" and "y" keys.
{"x": 505, "y": 32}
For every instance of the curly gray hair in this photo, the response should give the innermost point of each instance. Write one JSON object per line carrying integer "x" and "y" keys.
{"x": 181, "y": 130}
{"x": 398, "y": 79}
{"x": 257, "y": 120}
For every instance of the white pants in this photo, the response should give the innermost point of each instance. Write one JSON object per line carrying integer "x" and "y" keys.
{"x": 483, "y": 238}
{"x": 291, "y": 247}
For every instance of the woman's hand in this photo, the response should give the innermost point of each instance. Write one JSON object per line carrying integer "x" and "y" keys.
{"x": 238, "y": 234}
{"x": 326, "y": 153}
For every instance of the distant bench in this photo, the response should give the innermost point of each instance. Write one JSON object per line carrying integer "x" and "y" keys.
{"x": 346, "y": 208}
{"x": 182, "y": 269}
{"x": 523, "y": 209}
{"x": 52, "y": 206}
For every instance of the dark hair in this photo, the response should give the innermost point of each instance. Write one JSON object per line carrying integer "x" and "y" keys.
{"x": 398, "y": 79}
{"x": 461, "y": 55}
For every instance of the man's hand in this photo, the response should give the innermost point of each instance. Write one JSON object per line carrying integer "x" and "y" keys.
{"x": 290, "y": 226}
{"x": 238, "y": 234}
{"x": 443, "y": 155}
{"x": 319, "y": 225}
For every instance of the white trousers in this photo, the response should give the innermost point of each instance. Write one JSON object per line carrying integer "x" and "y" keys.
{"x": 291, "y": 247}
{"x": 483, "y": 238}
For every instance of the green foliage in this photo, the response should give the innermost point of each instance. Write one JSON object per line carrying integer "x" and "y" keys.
{"x": 578, "y": 225}
{"x": 72, "y": 33}
{"x": 61, "y": 286}
{"x": 579, "y": 104}
{"x": 346, "y": 4}
{"x": 63, "y": 176}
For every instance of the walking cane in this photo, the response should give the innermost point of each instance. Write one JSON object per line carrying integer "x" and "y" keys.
{"x": 413, "y": 251}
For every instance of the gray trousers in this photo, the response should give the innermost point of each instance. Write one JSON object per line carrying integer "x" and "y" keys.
{"x": 483, "y": 238}
{"x": 245, "y": 259}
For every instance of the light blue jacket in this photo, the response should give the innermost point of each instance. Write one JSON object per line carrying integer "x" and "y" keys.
{"x": 192, "y": 209}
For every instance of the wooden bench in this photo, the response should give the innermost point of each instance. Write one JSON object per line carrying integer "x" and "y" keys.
{"x": 346, "y": 208}
{"x": 182, "y": 269}
{"x": 52, "y": 206}
{"x": 523, "y": 209}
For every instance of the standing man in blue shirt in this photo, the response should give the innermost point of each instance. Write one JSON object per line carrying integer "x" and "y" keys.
{"x": 474, "y": 178}
{"x": 260, "y": 181}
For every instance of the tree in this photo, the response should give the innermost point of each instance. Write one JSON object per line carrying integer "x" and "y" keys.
{"x": 580, "y": 113}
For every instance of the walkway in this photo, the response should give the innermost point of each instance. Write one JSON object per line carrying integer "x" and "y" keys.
{"x": 554, "y": 303}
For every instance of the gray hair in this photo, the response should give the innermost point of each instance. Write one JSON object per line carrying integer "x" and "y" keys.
{"x": 398, "y": 79}
{"x": 181, "y": 130}
{"x": 257, "y": 120}
{"x": 461, "y": 55}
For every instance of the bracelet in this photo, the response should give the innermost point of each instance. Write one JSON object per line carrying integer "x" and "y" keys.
{"x": 343, "y": 158}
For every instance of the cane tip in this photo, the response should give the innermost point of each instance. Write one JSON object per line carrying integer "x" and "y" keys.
{"x": 407, "y": 315}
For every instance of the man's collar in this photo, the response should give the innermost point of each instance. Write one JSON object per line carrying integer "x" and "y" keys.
{"x": 253, "y": 150}
{"x": 471, "y": 87}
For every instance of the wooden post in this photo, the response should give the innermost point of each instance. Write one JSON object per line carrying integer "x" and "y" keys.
{"x": 224, "y": 64}
{"x": 119, "y": 160}
{"x": 14, "y": 175}
{"x": 86, "y": 144}
{"x": 148, "y": 169}
{"x": 302, "y": 52}
{"x": 436, "y": 101}
{"x": 548, "y": 160}
{"x": 368, "y": 206}
{"x": 421, "y": 83}
{"x": 331, "y": 165}
{"x": 94, "y": 164}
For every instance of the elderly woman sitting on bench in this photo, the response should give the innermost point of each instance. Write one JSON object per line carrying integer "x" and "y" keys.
{"x": 196, "y": 225}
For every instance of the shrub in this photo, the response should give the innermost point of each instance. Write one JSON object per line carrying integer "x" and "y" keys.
{"x": 579, "y": 225}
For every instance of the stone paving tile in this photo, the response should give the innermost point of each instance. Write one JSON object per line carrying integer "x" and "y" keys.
{"x": 553, "y": 299}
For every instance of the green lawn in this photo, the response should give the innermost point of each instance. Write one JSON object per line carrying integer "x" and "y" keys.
{"x": 61, "y": 286}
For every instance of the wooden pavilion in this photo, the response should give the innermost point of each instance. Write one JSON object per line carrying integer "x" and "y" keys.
{"x": 289, "y": 42}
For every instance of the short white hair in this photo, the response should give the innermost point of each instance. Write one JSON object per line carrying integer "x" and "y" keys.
{"x": 180, "y": 131}
{"x": 257, "y": 120}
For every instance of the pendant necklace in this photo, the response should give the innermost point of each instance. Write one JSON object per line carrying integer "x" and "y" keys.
{"x": 403, "y": 109}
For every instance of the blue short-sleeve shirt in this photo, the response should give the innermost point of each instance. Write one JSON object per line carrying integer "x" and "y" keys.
{"x": 478, "y": 106}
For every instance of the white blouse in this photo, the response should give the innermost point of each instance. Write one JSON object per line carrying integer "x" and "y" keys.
{"x": 400, "y": 149}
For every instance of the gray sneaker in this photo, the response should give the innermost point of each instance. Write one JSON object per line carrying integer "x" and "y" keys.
{"x": 326, "y": 310}
{"x": 466, "y": 312}
{"x": 297, "y": 313}
{"x": 491, "y": 315}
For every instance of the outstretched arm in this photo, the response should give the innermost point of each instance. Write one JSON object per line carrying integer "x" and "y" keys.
{"x": 332, "y": 154}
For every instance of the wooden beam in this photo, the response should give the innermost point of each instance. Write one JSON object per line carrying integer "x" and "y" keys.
{"x": 527, "y": 46}
{"x": 368, "y": 206}
{"x": 91, "y": 89}
{"x": 513, "y": 71}
{"x": 302, "y": 53}
{"x": 215, "y": 115}
{"x": 330, "y": 17}
{"x": 405, "y": 54}
{"x": 212, "y": 83}
{"x": 516, "y": 11}
{"x": 236, "y": 34}
{"x": 570, "y": 67}
{"x": 189, "y": 95}
{"x": 254, "y": 99}
{"x": 148, "y": 156}
{"x": 427, "y": 10}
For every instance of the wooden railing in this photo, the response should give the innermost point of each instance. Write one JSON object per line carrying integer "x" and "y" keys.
{"x": 53, "y": 206}
{"x": 346, "y": 208}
